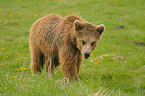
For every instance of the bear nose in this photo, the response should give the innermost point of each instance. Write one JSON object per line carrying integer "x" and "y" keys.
{"x": 86, "y": 55}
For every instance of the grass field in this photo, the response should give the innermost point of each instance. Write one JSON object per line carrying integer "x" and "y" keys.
{"x": 117, "y": 65}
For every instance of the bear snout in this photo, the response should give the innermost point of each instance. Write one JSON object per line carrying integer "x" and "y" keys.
{"x": 86, "y": 55}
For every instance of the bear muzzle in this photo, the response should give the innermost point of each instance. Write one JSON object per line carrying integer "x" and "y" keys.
{"x": 86, "y": 55}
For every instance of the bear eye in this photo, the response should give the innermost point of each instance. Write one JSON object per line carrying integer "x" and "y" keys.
{"x": 83, "y": 42}
{"x": 93, "y": 43}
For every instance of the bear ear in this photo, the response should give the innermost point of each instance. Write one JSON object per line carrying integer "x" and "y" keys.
{"x": 78, "y": 25}
{"x": 100, "y": 28}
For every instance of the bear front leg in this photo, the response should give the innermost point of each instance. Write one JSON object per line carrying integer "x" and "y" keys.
{"x": 69, "y": 64}
{"x": 79, "y": 61}
{"x": 69, "y": 69}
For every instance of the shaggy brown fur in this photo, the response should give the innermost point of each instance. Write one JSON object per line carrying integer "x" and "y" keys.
{"x": 55, "y": 40}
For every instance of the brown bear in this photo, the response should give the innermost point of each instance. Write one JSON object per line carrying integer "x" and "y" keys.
{"x": 55, "y": 40}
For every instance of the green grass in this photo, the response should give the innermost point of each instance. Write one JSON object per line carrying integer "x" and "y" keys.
{"x": 122, "y": 66}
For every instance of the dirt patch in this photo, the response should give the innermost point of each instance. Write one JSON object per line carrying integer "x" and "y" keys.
{"x": 139, "y": 49}
{"x": 119, "y": 58}
{"x": 112, "y": 56}
{"x": 119, "y": 27}
{"x": 112, "y": 4}
{"x": 139, "y": 43}
{"x": 106, "y": 55}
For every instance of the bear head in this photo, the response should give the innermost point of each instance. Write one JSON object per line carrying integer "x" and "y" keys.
{"x": 86, "y": 36}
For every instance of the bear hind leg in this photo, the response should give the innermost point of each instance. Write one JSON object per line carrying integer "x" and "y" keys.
{"x": 50, "y": 64}
{"x": 37, "y": 60}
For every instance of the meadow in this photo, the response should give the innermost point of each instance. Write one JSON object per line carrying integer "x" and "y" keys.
{"x": 116, "y": 67}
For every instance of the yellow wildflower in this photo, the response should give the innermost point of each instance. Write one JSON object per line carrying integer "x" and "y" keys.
{"x": 10, "y": 15}
{"x": 55, "y": 72}
{"x": 14, "y": 76}
{"x": 47, "y": 1}
{"x": 3, "y": 48}
{"x": 6, "y": 56}
{"x": 18, "y": 53}
{"x": 91, "y": 60}
{"x": 17, "y": 69}
{"x": 96, "y": 62}
{"x": 35, "y": 15}
{"x": 92, "y": 54}
{"x": 4, "y": 61}
{"x": 21, "y": 68}
{"x": 19, "y": 1}
{"x": 100, "y": 61}
{"x": 2, "y": 64}
{"x": 86, "y": 80}
{"x": 60, "y": 0}
{"x": 24, "y": 68}
{"x": 17, "y": 58}
{"x": 24, "y": 58}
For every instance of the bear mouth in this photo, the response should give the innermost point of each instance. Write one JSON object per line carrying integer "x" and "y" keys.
{"x": 86, "y": 55}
